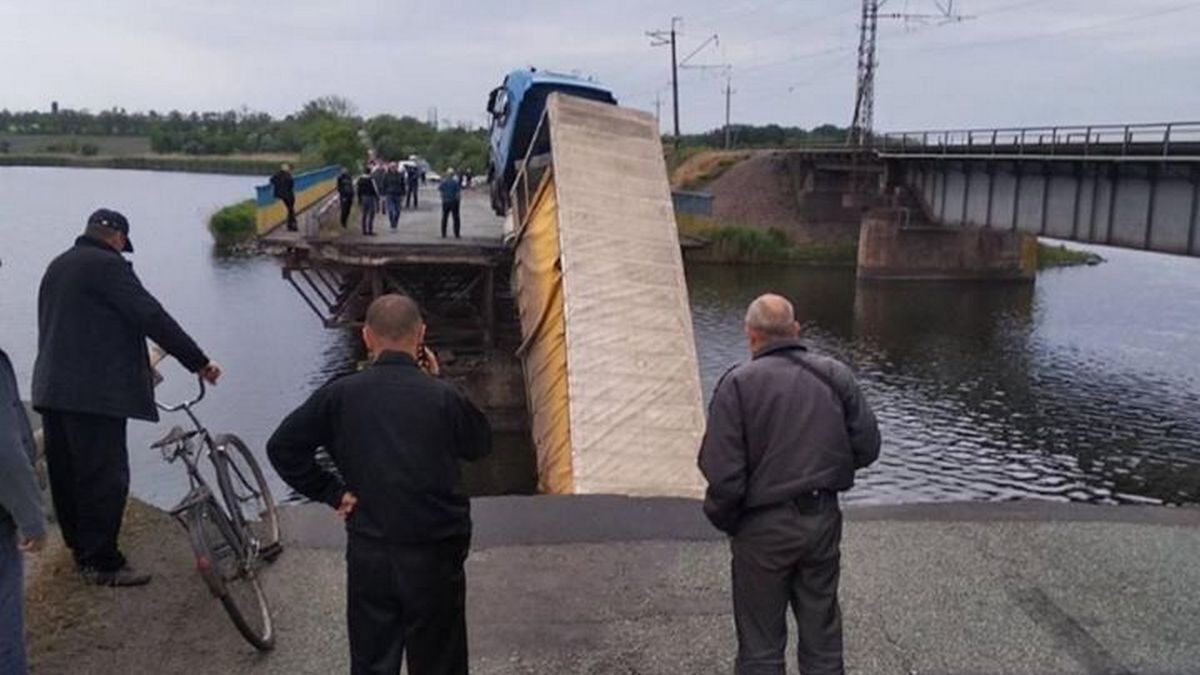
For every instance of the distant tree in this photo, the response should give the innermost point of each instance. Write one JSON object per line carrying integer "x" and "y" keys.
{"x": 337, "y": 143}
{"x": 328, "y": 106}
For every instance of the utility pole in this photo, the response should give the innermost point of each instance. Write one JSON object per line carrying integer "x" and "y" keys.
{"x": 658, "y": 107}
{"x": 660, "y": 38}
{"x": 862, "y": 124}
{"x": 728, "y": 95}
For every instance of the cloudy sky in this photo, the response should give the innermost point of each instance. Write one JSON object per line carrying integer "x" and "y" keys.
{"x": 1016, "y": 62}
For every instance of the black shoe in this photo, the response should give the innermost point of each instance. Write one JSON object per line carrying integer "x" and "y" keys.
{"x": 121, "y": 578}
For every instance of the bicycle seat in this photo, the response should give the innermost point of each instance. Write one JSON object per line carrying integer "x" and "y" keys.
{"x": 175, "y": 435}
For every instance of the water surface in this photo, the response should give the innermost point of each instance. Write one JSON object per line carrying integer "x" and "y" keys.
{"x": 1084, "y": 387}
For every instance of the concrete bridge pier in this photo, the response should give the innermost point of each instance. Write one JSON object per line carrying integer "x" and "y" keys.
{"x": 898, "y": 244}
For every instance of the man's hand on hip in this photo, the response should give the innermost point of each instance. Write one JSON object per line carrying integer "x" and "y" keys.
{"x": 346, "y": 507}
{"x": 211, "y": 372}
{"x": 32, "y": 544}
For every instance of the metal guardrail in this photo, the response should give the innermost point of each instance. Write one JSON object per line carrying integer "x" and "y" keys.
{"x": 1161, "y": 139}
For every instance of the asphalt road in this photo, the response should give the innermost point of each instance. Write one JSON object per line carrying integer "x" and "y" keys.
{"x": 604, "y": 585}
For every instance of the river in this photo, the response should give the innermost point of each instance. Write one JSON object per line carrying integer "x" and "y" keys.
{"x": 1083, "y": 387}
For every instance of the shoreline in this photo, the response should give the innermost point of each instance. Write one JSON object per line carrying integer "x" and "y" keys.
{"x": 205, "y": 164}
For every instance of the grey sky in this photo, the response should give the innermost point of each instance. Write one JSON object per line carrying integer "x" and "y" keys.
{"x": 1017, "y": 62}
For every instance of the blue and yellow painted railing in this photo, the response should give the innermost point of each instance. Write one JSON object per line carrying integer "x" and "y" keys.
{"x": 310, "y": 187}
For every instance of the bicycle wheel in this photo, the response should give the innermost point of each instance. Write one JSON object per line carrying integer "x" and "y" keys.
{"x": 222, "y": 563}
{"x": 247, "y": 498}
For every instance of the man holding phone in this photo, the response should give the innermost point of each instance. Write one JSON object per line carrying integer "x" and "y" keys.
{"x": 396, "y": 434}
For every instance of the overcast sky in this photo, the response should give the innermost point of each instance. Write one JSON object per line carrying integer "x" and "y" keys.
{"x": 1017, "y": 62}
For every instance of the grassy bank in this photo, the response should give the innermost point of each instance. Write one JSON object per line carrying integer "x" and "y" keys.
{"x": 233, "y": 224}
{"x": 247, "y": 165}
{"x": 737, "y": 245}
{"x": 1061, "y": 256}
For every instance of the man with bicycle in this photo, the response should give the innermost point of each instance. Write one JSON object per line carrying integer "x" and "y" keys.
{"x": 91, "y": 375}
{"x": 396, "y": 434}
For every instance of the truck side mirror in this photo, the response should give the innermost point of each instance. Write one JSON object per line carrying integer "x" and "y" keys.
{"x": 491, "y": 104}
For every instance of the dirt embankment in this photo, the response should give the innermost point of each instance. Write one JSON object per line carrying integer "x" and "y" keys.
{"x": 74, "y": 629}
{"x": 767, "y": 190}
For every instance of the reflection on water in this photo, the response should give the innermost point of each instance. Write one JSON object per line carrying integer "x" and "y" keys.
{"x": 976, "y": 400}
{"x": 1084, "y": 387}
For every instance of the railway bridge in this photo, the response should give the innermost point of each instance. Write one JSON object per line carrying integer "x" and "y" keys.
{"x": 1130, "y": 185}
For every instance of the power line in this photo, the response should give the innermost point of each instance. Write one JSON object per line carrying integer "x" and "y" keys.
{"x": 1059, "y": 33}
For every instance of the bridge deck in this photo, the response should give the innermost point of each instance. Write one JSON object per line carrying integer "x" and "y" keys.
{"x": 417, "y": 238}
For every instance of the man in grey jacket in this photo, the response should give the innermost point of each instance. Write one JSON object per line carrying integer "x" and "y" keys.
{"x": 786, "y": 432}
{"x": 22, "y": 524}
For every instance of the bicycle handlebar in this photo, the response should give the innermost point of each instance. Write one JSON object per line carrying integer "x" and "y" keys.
{"x": 183, "y": 406}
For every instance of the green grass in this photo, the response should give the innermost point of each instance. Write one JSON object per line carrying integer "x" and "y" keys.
{"x": 114, "y": 146}
{"x": 233, "y": 224}
{"x": 1061, "y": 256}
{"x": 732, "y": 244}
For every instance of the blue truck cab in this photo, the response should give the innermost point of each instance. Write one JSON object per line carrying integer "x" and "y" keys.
{"x": 515, "y": 108}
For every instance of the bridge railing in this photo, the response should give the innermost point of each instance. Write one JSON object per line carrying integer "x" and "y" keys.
{"x": 1165, "y": 139}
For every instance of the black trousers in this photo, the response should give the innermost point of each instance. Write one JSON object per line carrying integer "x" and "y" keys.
{"x": 789, "y": 554}
{"x": 290, "y": 203}
{"x": 450, "y": 209}
{"x": 346, "y": 203}
{"x": 407, "y": 601}
{"x": 410, "y": 197}
{"x": 89, "y": 481}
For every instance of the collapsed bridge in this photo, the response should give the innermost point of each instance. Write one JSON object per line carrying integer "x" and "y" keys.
{"x": 571, "y": 329}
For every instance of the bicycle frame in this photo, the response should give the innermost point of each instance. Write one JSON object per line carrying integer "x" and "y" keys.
{"x": 191, "y": 449}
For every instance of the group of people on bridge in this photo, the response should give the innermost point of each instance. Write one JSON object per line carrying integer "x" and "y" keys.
{"x": 389, "y": 187}
{"x": 787, "y": 430}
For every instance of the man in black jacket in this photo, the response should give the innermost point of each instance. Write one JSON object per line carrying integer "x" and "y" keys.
{"x": 345, "y": 190}
{"x": 92, "y": 373}
{"x": 412, "y": 173}
{"x": 786, "y": 432}
{"x": 283, "y": 187}
{"x": 396, "y": 434}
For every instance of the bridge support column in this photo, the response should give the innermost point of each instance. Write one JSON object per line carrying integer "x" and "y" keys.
{"x": 1192, "y": 223}
{"x": 991, "y": 192}
{"x": 890, "y": 247}
{"x": 1075, "y": 209}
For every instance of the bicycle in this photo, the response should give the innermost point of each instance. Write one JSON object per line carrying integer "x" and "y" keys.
{"x": 231, "y": 538}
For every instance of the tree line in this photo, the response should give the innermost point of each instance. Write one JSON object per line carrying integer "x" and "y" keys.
{"x": 326, "y": 130}
{"x": 767, "y": 136}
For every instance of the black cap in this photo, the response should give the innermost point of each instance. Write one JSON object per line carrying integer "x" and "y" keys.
{"x": 114, "y": 221}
